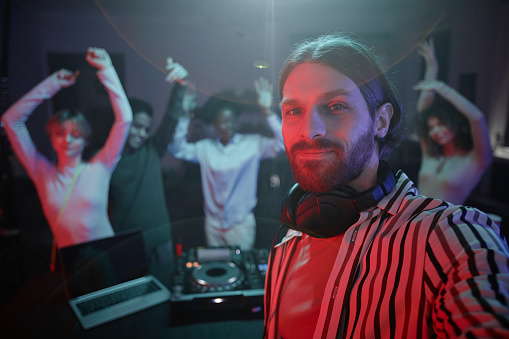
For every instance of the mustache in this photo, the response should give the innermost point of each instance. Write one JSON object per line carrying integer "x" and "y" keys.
{"x": 315, "y": 144}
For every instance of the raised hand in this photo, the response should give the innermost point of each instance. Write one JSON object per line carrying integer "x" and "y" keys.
{"x": 98, "y": 58}
{"x": 427, "y": 92}
{"x": 175, "y": 71}
{"x": 65, "y": 78}
{"x": 264, "y": 90}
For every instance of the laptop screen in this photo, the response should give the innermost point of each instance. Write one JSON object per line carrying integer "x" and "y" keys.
{"x": 102, "y": 263}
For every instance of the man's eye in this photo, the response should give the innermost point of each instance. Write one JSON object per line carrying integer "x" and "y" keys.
{"x": 293, "y": 111}
{"x": 337, "y": 107}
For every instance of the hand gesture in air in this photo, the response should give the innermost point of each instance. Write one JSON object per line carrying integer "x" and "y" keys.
{"x": 65, "y": 78}
{"x": 264, "y": 90}
{"x": 175, "y": 71}
{"x": 98, "y": 58}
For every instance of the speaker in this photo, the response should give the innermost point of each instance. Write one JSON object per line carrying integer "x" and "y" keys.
{"x": 328, "y": 214}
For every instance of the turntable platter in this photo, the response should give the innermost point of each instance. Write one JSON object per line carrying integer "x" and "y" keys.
{"x": 217, "y": 276}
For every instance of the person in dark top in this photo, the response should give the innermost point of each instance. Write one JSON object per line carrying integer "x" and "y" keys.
{"x": 137, "y": 197}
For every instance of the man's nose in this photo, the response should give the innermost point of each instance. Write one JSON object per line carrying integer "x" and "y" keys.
{"x": 315, "y": 126}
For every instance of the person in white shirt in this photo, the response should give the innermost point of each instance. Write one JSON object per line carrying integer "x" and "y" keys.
{"x": 229, "y": 166}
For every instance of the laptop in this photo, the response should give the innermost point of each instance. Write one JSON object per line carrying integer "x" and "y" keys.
{"x": 109, "y": 278}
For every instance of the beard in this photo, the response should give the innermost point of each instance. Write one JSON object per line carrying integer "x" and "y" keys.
{"x": 323, "y": 176}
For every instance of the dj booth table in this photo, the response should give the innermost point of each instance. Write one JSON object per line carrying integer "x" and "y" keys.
{"x": 39, "y": 309}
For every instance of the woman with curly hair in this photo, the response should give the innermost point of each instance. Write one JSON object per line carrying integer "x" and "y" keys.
{"x": 453, "y": 134}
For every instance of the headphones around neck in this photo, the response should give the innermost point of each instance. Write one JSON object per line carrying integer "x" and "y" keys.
{"x": 328, "y": 214}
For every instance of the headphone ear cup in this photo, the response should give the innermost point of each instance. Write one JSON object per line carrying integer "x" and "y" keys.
{"x": 321, "y": 215}
{"x": 290, "y": 204}
{"x": 325, "y": 215}
{"x": 328, "y": 214}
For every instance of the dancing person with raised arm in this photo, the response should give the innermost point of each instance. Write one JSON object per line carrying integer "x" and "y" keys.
{"x": 73, "y": 193}
{"x": 229, "y": 166}
{"x": 453, "y": 134}
{"x": 137, "y": 196}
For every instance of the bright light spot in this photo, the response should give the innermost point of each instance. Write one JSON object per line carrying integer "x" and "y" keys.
{"x": 217, "y": 300}
{"x": 261, "y": 64}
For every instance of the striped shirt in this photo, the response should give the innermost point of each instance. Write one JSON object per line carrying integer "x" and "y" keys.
{"x": 410, "y": 267}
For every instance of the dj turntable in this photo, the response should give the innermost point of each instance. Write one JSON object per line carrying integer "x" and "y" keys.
{"x": 218, "y": 283}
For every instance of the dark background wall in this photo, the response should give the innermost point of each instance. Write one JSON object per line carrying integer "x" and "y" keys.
{"x": 219, "y": 41}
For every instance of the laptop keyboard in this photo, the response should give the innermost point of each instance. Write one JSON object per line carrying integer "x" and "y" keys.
{"x": 101, "y": 302}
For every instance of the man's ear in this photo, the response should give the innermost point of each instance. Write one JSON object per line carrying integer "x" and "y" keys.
{"x": 383, "y": 119}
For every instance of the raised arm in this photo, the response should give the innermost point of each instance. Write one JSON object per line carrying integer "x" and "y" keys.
{"x": 478, "y": 126}
{"x": 264, "y": 91}
{"x": 14, "y": 119}
{"x": 110, "y": 153}
{"x": 181, "y": 106}
{"x": 180, "y": 148}
{"x": 427, "y": 51}
{"x": 176, "y": 74}
{"x": 269, "y": 147}
{"x": 182, "y": 100}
